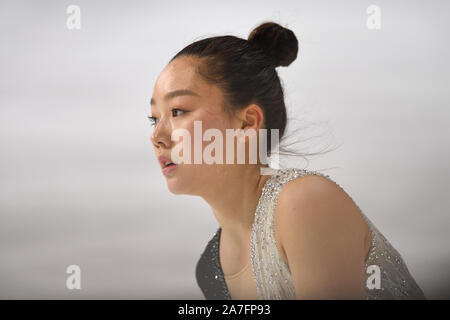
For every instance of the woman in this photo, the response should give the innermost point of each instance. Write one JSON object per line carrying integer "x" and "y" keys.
{"x": 302, "y": 235}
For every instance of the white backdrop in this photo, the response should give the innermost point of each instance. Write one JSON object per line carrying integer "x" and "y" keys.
{"x": 79, "y": 183}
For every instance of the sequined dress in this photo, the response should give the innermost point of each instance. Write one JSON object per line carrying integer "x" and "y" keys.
{"x": 272, "y": 275}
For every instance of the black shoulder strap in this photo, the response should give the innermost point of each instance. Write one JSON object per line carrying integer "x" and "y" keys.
{"x": 209, "y": 272}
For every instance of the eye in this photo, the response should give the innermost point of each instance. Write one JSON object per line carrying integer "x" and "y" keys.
{"x": 152, "y": 120}
{"x": 175, "y": 109}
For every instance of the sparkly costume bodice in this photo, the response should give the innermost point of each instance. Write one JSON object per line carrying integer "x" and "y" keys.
{"x": 387, "y": 276}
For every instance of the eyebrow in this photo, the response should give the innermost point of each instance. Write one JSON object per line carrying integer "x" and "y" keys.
{"x": 176, "y": 93}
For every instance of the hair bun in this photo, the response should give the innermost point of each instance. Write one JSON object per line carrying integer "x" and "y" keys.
{"x": 279, "y": 43}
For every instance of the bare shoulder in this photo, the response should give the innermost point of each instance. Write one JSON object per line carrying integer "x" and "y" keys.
{"x": 321, "y": 232}
{"x": 318, "y": 198}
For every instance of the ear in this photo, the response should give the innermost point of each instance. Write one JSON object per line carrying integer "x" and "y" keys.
{"x": 251, "y": 119}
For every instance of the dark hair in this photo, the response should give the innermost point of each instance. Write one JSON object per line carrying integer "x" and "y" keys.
{"x": 245, "y": 70}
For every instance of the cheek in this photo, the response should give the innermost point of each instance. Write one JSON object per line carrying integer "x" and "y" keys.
{"x": 196, "y": 137}
{"x": 204, "y": 125}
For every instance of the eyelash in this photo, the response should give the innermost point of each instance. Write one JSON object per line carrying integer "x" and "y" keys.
{"x": 154, "y": 119}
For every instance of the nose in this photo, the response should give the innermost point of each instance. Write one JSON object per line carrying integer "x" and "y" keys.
{"x": 161, "y": 135}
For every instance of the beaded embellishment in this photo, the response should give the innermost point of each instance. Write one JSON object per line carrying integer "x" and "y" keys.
{"x": 272, "y": 275}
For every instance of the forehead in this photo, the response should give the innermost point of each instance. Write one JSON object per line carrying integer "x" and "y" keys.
{"x": 181, "y": 74}
{"x": 179, "y": 71}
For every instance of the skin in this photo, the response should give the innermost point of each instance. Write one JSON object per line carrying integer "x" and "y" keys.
{"x": 318, "y": 229}
{"x": 324, "y": 237}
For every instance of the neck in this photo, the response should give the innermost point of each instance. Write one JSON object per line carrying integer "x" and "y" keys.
{"x": 235, "y": 202}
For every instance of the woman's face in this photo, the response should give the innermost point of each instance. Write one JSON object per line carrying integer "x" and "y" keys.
{"x": 180, "y": 112}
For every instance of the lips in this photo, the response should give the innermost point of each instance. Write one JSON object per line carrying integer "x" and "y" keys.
{"x": 165, "y": 162}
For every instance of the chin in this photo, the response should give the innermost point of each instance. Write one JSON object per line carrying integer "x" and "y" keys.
{"x": 175, "y": 189}
{"x": 177, "y": 184}
{"x": 186, "y": 180}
